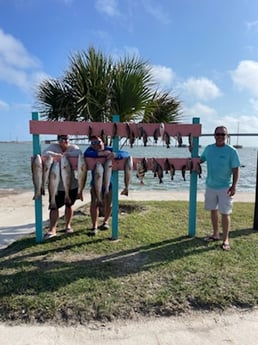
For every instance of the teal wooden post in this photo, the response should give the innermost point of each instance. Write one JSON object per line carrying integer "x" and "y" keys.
{"x": 37, "y": 202}
{"x": 193, "y": 187}
{"x": 115, "y": 206}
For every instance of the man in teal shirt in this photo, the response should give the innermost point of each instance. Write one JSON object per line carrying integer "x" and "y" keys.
{"x": 222, "y": 176}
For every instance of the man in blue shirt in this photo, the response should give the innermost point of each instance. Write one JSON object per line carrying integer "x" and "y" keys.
{"x": 222, "y": 176}
{"x": 95, "y": 150}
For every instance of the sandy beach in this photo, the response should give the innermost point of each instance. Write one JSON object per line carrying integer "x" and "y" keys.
{"x": 231, "y": 327}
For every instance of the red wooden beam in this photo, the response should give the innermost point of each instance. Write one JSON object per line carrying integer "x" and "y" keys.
{"x": 109, "y": 128}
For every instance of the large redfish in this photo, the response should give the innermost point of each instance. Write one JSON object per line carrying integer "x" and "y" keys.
{"x": 128, "y": 172}
{"x": 37, "y": 173}
{"x": 97, "y": 181}
{"x": 66, "y": 175}
{"x": 54, "y": 179}
{"x": 82, "y": 171}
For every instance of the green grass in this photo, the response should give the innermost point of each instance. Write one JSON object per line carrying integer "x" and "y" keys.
{"x": 153, "y": 269}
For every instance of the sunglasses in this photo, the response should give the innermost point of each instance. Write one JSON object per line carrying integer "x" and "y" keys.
{"x": 63, "y": 139}
{"x": 95, "y": 142}
{"x": 220, "y": 134}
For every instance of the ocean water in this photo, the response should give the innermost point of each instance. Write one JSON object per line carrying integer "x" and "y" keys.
{"x": 15, "y": 168}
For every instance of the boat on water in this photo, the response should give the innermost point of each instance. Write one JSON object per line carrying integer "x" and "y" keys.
{"x": 237, "y": 145}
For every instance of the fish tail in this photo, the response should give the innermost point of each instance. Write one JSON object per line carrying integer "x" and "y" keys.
{"x": 124, "y": 192}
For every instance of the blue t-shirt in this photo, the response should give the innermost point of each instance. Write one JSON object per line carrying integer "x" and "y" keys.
{"x": 220, "y": 162}
{"x": 91, "y": 153}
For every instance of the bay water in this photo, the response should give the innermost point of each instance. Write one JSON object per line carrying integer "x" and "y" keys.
{"x": 15, "y": 168}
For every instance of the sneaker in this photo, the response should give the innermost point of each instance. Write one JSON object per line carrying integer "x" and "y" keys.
{"x": 104, "y": 226}
{"x": 92, "y": 232}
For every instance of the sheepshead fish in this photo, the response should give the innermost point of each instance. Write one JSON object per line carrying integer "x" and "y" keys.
{"x": 54, "y": 179}
{"x": 46, "y": 170}
{"x": 172, "y": 171}
{"x": 98, "y": 180}
{"x": 107, "y": 175}
{"x": 141, "y": 168}
{"x": 66, "y": 175}
{"x": 82, "y": 171}
{"x": 128, "y": 171}
{"x": 157, "y": 170}
{"x": 37, "y": 173}
{"x": 166, "y": 137}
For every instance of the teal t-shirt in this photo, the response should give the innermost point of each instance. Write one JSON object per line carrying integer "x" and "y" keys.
{"x": 220, "y": 162}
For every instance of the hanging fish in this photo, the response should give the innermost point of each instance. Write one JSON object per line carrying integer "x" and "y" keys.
{"x": 82, "y": 171}
{"x": 190, "y": 165}
{"x": 128, "y": 171}
{"x": 89, "y": 132}
{"x": 157, "y": 170}
{"x": 97, "y": 182}
{"x": 107, "y": 175}
{"x": 156, "y": 135}
{"x": 144, "y": 137}
{"x": 179, "y": 139}
{"x": 166, "y": 138}
{"x": 54, "y": 179}
{"x": 66, "y": 174}
{"x": 166, "y": 165}
{"x": 199, "y": 169}
{"x": 132, "y": 139}
{"x": 46, "y": 170}
{"x": 172, "y": 171}
{"x": 141, "y": 168}
{"x": 103, "y": 137}
{"x": 37, "y": 173}
{"x": 183, "y": 170}
{"x": 140, "y": 130}
{"x": 161, "y": 130}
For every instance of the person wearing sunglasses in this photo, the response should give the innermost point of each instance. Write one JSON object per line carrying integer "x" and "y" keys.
{"x": 97, "y": 149}
{"x": 223, "y": 165}
{"x": 58, "y": 149}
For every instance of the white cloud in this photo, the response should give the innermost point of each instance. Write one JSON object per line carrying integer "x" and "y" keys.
{"x": 4, "y": 105}
{"x": 199, "y": 110}
{"x": 108, "y": 7}
{"x": 245, "y": 76}
{"x": 164, "y": 76}
{"x": 13, "y": 53}
{"x": 201, "y": 88}
{"x": 156, "y": 11}
{"x": 17, "y": 66}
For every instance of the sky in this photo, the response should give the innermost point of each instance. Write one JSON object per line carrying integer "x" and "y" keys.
{"x": 204, "y": 52}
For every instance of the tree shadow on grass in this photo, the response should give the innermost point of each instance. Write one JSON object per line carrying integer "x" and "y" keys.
{"x": 59, "y": 273}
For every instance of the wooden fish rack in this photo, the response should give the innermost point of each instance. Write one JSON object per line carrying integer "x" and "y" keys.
{"x": 117, "y": 130}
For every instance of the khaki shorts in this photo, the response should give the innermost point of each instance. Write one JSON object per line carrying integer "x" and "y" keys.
{"x": 218, "y": 199}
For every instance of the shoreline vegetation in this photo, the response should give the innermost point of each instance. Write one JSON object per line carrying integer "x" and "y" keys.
{"x": 153, "y": 269}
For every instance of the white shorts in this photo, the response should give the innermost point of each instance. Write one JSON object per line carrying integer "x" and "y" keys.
{"x": 218, "y": 199}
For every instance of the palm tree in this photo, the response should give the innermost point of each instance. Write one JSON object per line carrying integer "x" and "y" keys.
{"x": 56, "y": 101}
{"x": 162, "y": 108}
{"x": 90, "y": 77}
{"x": 131, "y": 88}
{"x": 95, "y": 87}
